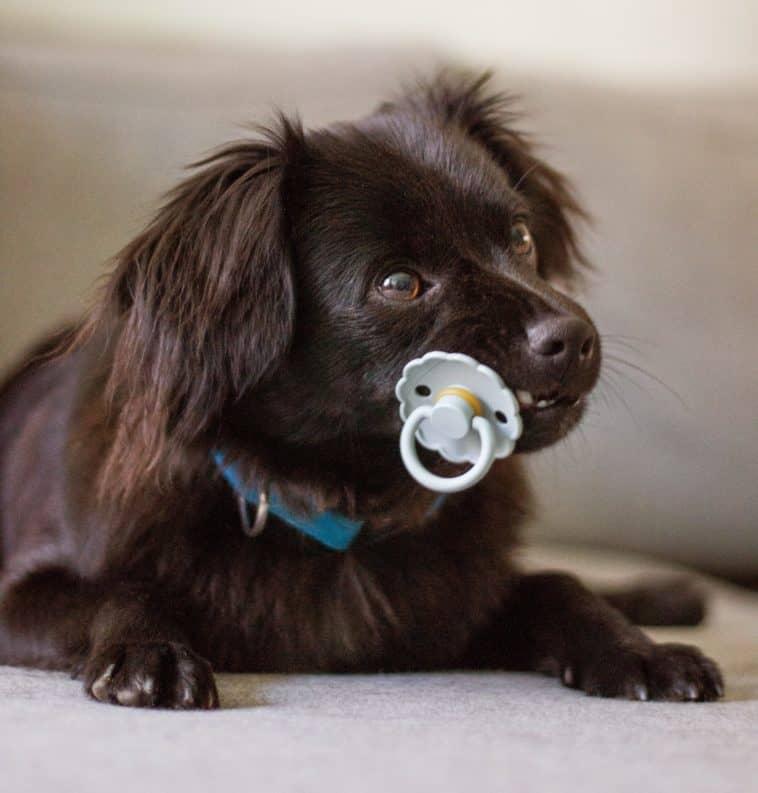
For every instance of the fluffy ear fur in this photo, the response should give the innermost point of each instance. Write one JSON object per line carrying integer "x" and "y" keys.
{"x": 204, "y": 306}
{"x": 488, "y": 117}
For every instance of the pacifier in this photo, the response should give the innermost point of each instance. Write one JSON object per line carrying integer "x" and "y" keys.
{"x": 459, "y": 408}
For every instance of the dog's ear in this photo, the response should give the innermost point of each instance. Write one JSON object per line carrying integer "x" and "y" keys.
{"x": 202, "y": 304}
{"x": 488, "y": 117}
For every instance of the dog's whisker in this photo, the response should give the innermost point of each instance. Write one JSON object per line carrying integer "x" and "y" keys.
{"x": 524, "y": 176}
{"x": 602, "y": 390}
{"x": 578, "y": 437}
{"x": 613, "y": 359}
{"x": 612, "y": 389}
{"x": 622, "y": 344}
{"x": 628, "y": 338}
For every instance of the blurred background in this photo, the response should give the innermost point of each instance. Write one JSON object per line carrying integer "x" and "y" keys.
{"x": 652, "y": 108}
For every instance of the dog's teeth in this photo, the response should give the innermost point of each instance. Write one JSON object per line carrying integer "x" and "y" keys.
{"x": 525, "y": 398}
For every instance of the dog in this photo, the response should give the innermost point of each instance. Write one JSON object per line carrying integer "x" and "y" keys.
{"x": 265, "y": 315}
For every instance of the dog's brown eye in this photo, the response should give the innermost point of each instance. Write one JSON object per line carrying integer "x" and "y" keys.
{"x": 401, "y": 285}
{"x": 521, "y": 239}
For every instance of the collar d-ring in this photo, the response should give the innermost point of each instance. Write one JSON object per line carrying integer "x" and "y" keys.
{"x": 261, "y": 513}
{"x": 331, "y": 529}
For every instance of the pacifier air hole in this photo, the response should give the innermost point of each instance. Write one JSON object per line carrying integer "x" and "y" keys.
{"x": 501, "y": 417}
{"x": 423, "y": 390}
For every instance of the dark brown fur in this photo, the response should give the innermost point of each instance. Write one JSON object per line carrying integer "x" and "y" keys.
{"x": 245, "y": 317}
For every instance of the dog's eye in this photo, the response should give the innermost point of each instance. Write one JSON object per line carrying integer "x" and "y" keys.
{"x": 521, "y": 239}
{"x": 402, "y": 285}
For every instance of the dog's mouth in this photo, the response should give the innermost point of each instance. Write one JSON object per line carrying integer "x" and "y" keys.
{"x": 538, "y": 402}
{"x": 548, "y": 416}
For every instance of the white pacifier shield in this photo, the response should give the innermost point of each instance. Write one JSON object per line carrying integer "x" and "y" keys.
{"x": 459, "y": 408}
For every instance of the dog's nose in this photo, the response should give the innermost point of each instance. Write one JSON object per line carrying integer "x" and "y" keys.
{"x": 562, "y": 342}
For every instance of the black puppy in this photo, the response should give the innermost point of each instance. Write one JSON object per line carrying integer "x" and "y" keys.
{"x": 266, "y": 314}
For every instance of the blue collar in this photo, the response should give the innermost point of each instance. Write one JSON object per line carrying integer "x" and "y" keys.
{"x": 329, "y": 528}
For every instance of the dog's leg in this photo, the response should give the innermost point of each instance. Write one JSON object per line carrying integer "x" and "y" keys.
{"x": 676, "y": 600}
{"x": 126, "y": 641}
{"x": 551, "y": 623}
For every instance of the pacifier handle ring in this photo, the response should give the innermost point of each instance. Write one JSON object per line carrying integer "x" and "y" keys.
{"x": 445, "y": 484}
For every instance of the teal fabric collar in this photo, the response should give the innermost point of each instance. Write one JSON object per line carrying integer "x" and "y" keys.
{"x": 331, "y": 529}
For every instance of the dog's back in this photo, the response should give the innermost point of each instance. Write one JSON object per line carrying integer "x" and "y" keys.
{"x": 34, "y": 397}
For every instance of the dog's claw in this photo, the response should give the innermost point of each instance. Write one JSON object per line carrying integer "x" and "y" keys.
{"x": 151, "y": 674}
{"x": 99, "y": 688}
{"x": 641, "y": 693}
{"x": 669, "y": 672}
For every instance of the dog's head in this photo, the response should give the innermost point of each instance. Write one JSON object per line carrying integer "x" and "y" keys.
{"x": 283, "y": 287}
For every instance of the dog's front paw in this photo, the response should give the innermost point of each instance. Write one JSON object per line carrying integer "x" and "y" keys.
{"x": 151, "y": 675}
{"x": 672, "y": 672}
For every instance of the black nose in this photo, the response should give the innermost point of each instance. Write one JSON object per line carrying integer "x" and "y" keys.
{"x": 562, "y": 342}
